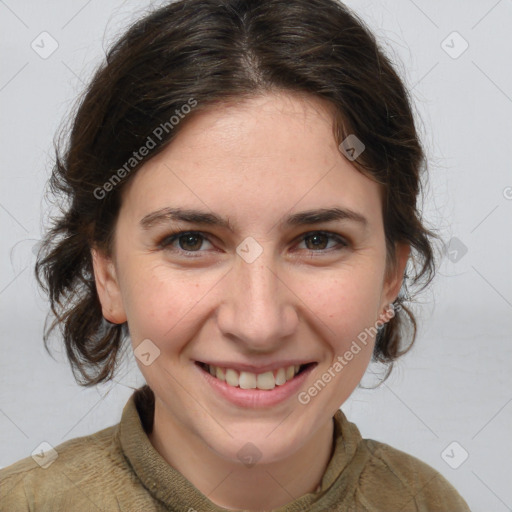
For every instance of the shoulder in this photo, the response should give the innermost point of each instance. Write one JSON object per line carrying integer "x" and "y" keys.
{"x": 405, "y": 481}
{"x": 82, "y": 466}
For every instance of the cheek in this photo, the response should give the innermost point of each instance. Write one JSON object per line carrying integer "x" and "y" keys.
{"x": 347, "y": 303}
{"x": 160, "y": 303}
{"x": 163, "y": 304}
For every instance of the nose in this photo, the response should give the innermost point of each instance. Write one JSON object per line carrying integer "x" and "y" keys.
{"x": 259, "y": 311}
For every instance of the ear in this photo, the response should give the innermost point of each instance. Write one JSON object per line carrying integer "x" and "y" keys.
{"x": 108, "y": 288}
{"x": 395, "y": 275}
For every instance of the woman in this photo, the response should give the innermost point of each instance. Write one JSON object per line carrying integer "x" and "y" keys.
{"x": 242, "y": 182}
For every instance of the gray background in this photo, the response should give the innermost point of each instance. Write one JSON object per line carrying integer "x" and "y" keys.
{"x": 455, "y": 385}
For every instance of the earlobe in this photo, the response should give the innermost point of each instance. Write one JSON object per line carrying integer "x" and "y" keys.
{"x": 395, "y": 276}
{"x": 107, "y": 286}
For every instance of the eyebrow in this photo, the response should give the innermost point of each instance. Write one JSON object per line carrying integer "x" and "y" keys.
{"x": 314, "y": 216}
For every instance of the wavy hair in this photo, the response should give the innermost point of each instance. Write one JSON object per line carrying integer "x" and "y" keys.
{"x": 211, "y": 51}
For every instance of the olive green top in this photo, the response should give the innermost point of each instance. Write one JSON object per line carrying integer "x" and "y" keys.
{"x": 118, "y": 469}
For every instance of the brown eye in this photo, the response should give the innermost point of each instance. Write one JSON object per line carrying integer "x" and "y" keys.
{"x": 188, "y": 241}
{"x": 318, "y": 241}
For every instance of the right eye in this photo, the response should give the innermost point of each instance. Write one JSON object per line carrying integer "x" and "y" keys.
{"x": 188, "y": 241}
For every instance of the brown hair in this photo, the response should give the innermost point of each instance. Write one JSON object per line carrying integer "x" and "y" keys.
{"x": 210, "y": 51}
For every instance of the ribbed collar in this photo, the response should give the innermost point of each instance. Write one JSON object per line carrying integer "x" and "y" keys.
{"x": 169, "y": 486}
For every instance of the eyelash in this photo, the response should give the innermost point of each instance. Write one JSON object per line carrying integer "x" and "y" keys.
{"x": 169, "y": 238}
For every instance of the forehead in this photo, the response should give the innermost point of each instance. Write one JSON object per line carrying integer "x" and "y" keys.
{"x": 265, "y": 154}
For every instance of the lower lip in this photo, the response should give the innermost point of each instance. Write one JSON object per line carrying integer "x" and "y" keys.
{"x": 256, "y": 398}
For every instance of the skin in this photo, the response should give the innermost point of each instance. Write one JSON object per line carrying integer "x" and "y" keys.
{"x": 254, "y": 161}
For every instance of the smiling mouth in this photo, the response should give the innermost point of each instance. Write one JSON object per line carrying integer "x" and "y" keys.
{"x": 248, "y": 380}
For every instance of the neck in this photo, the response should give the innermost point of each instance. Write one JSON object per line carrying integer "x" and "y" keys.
{"x": 233, "y": 485}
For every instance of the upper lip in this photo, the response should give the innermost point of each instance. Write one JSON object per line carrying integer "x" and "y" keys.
{"x": 244, "y": 367}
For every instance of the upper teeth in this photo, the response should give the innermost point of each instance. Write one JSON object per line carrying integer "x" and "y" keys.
{"x": 248, "y": 380}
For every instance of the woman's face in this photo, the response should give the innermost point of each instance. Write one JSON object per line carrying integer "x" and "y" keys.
{"x": 259, "y": 286}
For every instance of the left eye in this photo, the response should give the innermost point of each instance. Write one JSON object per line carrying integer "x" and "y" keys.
{"x": 192, "y": 241}
{"x": 319, "y": 239}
